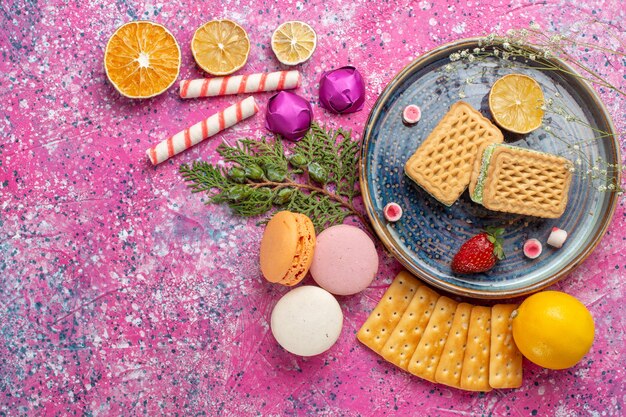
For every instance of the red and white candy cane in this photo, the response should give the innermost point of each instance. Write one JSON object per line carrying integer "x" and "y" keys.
{"x": 197, "y": 133}
{"x": 238, "y": 84}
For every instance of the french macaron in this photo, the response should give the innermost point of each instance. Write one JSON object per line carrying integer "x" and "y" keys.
{"x": 345, "y": 260}
{"x": 287, "y": 248}
{"x": 307, "y": 321}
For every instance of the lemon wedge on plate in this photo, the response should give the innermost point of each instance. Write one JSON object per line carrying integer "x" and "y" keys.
{"x": 516, "y": 103}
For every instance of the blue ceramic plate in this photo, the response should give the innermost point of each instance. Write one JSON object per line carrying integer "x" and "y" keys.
{"x": 429, "y": 234}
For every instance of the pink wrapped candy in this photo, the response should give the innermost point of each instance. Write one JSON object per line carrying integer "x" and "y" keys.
{"x": 288, "y": 115}
{"x": 342, "y": 90}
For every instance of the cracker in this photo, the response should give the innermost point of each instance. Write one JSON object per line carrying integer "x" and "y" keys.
{"x": 505, "y": 363}
{"x": 381, "y": 322}
{"x": 449, "y": 368}
{"x": 428, "y": 352}
{"x": 475, "y": 371}
{"x": 404, "y": 339}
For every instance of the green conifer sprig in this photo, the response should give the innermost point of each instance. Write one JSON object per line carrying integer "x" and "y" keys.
{"x": 317, "y": 176}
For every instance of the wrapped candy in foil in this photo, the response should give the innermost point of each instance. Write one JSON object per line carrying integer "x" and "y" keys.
{"x": 342, "y": 90}
{"x": 288, "y": 115}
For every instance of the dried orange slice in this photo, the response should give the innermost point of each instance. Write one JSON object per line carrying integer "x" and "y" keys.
{"x": 142, "y": 59}
{"x": 294, "y": 42}
{"x": 220, "y": 47}
{"x": 516, "y": 103}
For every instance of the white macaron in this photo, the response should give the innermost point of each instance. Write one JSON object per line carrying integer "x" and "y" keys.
{"x": 307, "y": 321}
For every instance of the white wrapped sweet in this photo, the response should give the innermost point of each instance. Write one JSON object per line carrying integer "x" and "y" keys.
{"x": 557, "y": 237}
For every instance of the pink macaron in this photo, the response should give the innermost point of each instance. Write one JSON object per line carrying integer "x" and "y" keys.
{"x": 345, "y": 260}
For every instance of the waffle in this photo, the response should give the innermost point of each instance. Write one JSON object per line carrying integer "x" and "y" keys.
{"x": 443, "y": 162}
{"x": 478, "y": 163}
{"x": 523, "y": 181}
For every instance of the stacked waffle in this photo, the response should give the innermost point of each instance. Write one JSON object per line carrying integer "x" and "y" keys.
{"x": 517, "y": 180}
{"x": 465, "y": 149}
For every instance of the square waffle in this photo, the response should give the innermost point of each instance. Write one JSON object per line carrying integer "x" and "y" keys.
{"x": 443, "y": 162}
{"x": 527, "y": 182}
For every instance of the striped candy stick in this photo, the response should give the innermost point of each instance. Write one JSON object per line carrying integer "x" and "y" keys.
{"x": 197, "y": 133}
{"x": 238, "y": 84}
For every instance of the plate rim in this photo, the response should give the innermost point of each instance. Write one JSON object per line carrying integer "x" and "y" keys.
{"x": 385, "y": 238}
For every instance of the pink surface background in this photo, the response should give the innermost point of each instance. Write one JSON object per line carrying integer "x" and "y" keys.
{"x": 121, "y": 293}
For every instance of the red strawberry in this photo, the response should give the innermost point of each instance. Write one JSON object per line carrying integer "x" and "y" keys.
{"x": 480, "y": 253}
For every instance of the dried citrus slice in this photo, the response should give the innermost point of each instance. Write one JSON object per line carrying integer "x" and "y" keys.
{"x": 142, "y": 59}
{"x": 220, "y": 47}
{"x": 516, "y": 103}
{"x": 294, "y": 42}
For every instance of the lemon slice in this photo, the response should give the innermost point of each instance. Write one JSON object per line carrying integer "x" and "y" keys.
{"x": 142, "y": 59}
{"x": 294, "y": 42}
{"x": 516, "y": 102}
{"x": 220, "y": 47}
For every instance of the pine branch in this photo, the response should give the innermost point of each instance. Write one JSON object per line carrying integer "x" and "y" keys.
{"x": 261, "y": 177}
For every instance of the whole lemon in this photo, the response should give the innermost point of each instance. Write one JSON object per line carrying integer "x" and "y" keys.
{"x": 553, "y": 329}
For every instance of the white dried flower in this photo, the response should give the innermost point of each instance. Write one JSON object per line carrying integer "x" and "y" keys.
{"x": 506, "y": 45}
{"x": 448, "y": 67}
{"x": 471, "y": 58}
{"x": 602, "y": 188}
{"x": 505, "y": 55}
{"x": 547, "y": 129}
{"x": 555, "y": 38}
{"x": 532, "y": 57}
{"x": 476, "y": 50}
{"x": 463, "y": 53}
{"x": 455, "y": 57}
{"x": 462, "y": 94}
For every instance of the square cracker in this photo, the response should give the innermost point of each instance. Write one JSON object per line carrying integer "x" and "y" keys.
{"x": 428, "y": 352}
{"x": 475, "y": 371}
{"x": 381, "y": 322}
{"x": 505, "y": 363}
{"x": 451, "y": 363}
{"x": 401, "y": 344}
